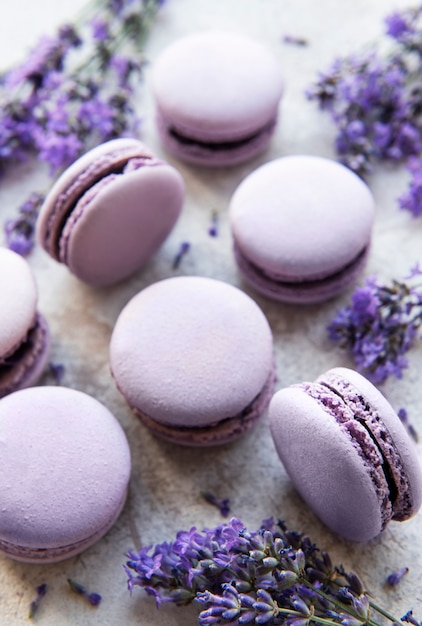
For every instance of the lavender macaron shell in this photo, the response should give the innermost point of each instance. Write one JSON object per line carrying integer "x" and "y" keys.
{"x": 63, "y": 490}
{"x": 110, "y": 211}
{"x": 191, "y": 355}
{"x": 101, "y": 245}
{"x": 301, "y": 228}
{"x": 76, "y": 179}
{"x": 24, "y": 333}
{"x": 334, "y": 463}
{"x": 19, "y": 301}
{"x": 217, "y": 96}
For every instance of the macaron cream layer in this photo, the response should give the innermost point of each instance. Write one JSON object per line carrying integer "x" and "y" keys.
{"x": 278, "y": 286}
{"x": 357, "y": 429}
{"x": 22, "y": 366}
{"x": 220, "y": 432}
{"x": 51, "y": 555}
{"x": 215, "y": 151}
{"x": 373, "y": 413}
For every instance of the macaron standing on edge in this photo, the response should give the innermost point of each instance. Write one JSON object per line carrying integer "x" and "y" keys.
{"x": 301, "y": 228}
{"x": 64, "y": 471}
{"x": 193, "y": 357}
{"x": 110, "y": 211}
{"x": 24, "y": 333}
{"x": 217, "y": 96}
{"x": 347, "y": 453}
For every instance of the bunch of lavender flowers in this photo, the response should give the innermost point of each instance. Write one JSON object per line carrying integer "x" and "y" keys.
{"x": 269, "y": 576}
{"x": 380, "y": 325}
{"x": 76, "y": 89}
{"x": 375, "y": 99}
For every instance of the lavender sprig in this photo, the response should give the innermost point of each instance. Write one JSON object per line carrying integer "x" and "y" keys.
{"x": 375, "y": 98}
{"x": 76, "y": 89}
{"x": 380, "y": 326}
{"x": 269, "y": 576}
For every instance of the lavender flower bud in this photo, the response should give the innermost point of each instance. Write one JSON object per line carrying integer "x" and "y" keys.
{"x": 394, "y": 578}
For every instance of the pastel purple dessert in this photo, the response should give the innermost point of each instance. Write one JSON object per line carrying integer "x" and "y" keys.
{"x": 110, "y": 211}
{"x": 24, "y": 333}
{"x": 217, "y": 95}
{"x": 301, "y": 228}
{"x": 347, "y": 453}
{"x": 194, "y": 359}
{"x": 64, "y": 471}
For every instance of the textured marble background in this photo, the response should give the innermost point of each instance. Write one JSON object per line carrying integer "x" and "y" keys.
{"x": 167, "y": 480}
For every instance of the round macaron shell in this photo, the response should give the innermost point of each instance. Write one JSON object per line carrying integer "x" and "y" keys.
{"x": 191, "y": 351}
{"x": 65, "y": 466}
{"x": 76, "y": 180}
{"x": 19, "y": 301}
{"x": 217, "y": 85}
{"x": 301, "y": 218}
{"x": 410, "y": 465}
{"x": 217, "y": 97}
{"x": 324, "y": 465}
{"x": 110, "y": 211}
{"x": 123, "y": 224}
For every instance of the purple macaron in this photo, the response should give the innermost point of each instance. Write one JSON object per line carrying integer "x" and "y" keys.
{"x": 301, "y": 228}
{"x": 24, "y": 333}
{"x": 217, "y": 95}
{"x": 64, "y": 471}
{"x": 110, "y": 211}
{"x": 347, "y": 453}
{"x": 193, "y": 357}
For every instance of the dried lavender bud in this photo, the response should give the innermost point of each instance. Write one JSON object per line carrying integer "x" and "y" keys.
{"x": 213, "y": 229}
{"x": 223, "y": 505}
{"x": 297, "y": 41}
{"x": 402, "y": 413}
{"x": 35, "y": 604}
{"x": 394, "y": 578}
{"x": 184, "y": 249}
{"x": 93, "y": 598}
{"x": 410, "y": 619}
{"x": 380, "y": 326}
{"x": 57, "y": 370}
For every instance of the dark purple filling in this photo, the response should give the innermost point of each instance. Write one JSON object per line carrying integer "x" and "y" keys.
{"x": 218, "y": 432}
{"x": 369, "y": 419}
{"x": 20, "y": 354}
{"x": 219, "y": 145}
{"x": 311, "y": 284}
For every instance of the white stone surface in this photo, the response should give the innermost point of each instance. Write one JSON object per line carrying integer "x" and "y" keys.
{"x": 167, "y": 480}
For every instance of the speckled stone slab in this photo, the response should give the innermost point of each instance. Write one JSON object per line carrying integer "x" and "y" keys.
{"x": 167, "y": 480}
